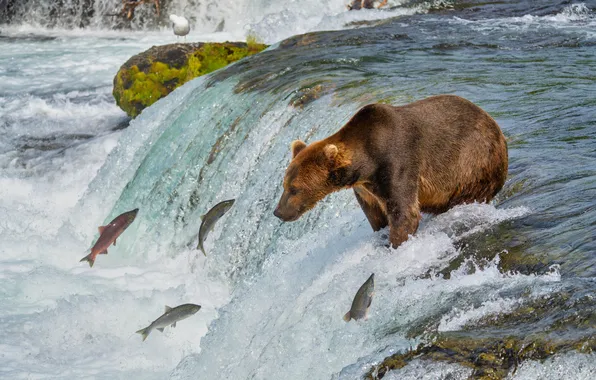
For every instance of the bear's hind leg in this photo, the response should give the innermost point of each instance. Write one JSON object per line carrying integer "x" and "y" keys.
{"x": 372, "y": 209}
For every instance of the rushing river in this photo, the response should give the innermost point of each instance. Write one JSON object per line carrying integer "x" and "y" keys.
{"x": 273, "y": 294}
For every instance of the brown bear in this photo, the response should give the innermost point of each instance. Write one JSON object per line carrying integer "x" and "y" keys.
{"x": 425, "y": 156}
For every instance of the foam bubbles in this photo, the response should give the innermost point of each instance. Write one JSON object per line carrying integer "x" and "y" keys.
{"x": 574, "y": 17}
{"x": 62, "y": 319}
{"x": 457, "y": 318}
{"x": 312, "y": 287}
{"x": 567, "y": 366}
{"x": 426, "y": 370}
{"x": 276, "y": 22}
{"x": 270, "y": 20}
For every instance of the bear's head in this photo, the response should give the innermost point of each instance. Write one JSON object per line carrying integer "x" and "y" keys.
{"x": 310, "y": 176}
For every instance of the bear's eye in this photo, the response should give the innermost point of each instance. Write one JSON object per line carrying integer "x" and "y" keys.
{"x": 293, "y": 191}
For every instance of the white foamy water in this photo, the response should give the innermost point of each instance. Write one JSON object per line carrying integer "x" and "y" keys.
{"x": 460, "y": 318}
{"x": 270, "y": 21}
{"x": 296, "y": 306}
{"x": 568, "y": 366}
{"x": 419, "y": 369}
{"x": 57, "y": 117}
{"x": 573, "y": 18}
{"x": 272, "y": 294}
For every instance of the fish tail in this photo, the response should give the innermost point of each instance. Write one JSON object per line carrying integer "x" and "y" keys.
{"x": 347, "y": 317}
{"x": 89, "y": 258}
{"x": 144, "y": 332}
{"x": 200, "y": 247}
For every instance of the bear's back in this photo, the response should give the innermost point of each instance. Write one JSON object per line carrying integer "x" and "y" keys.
{"x": 457, "y": 149}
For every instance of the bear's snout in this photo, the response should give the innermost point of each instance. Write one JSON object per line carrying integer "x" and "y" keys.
{"x": 277, "y": 213}
{"x": 286, "y": 214}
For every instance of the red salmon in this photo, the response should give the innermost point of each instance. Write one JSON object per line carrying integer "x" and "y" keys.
{"x": 109, "y": 233}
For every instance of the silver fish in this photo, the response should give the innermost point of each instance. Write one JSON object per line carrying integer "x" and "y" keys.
{"x": 362, "y": 300}
{"x": 210, "y": 219}
{"x": 170, "y": 317}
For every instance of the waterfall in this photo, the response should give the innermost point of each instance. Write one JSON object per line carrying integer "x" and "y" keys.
{"x": 227, "y": 135}
{"x": 518, "y": 272}
{"x": 270, "y": 20}
{"x": 106, "y": 14}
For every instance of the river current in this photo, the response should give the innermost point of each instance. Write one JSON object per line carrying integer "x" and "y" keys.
{"x": 273, "y": 294}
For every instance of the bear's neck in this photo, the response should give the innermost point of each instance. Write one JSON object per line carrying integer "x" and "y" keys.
{"x": 345, "y": 176}
{"x": 348, "y": 171}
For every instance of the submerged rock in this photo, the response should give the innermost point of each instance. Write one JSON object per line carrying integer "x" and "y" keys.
{"x": 490, "y": 358}
{"x": 495, "y": 345}
{"x": 153, "y": 74}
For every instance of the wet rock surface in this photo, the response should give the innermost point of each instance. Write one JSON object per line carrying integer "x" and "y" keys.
{"x": 153, "y": 74}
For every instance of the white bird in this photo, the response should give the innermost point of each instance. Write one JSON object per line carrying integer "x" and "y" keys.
{"x": 181, "y": 26}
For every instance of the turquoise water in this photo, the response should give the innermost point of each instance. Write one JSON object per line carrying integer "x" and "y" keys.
{"x": 273, "y": 294}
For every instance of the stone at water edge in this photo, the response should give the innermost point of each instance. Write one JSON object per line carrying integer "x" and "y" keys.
{"x": 153, "y": 74}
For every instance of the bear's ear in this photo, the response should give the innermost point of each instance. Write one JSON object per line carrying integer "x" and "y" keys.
{"x": 330, "y": 151}
{"x": 297, "y": 146}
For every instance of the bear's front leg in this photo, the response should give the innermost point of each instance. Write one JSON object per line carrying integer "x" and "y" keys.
{"x": 403, "y": 220}
{"x": 372, "y": 208}
{"x": 399, "y": 190}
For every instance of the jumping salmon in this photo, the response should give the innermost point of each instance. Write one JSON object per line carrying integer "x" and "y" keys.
{"x": 109, "y": 233}
{"x": 362, "y": 300}
{"x": 170, "y": 317}
{"x": 210, "y": 219}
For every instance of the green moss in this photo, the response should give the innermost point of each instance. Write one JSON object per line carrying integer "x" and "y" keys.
{"x": 136, "y": 89}
{"x": 194, "y": 67}
{"x": 214, "y": 56}
{"x": 253, "y": 40}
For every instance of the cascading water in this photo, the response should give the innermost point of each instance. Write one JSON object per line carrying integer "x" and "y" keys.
{"x": 273, "y": 294}
{"x": 268, "y": 20}
{"x": 66, "y": 14}
{"x": 205, "y": 16}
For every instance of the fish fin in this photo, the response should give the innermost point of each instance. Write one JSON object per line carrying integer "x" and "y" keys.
{"x": 104, "y": 252}
{"x": 114, "y": 242}
{"x": 200, "y": 247}
{"x": 347, "y": 317}
{"x": 168, "y": 308}
{"x": 369, "y": 302}
{"x": 174, "y": 324}
{"x": 203, "y": 216}
{"x": 101, "y": 228}
{"x": 89, "y": 258}
{"x": 160, "y": 329}
{"x": 144, "y": 332}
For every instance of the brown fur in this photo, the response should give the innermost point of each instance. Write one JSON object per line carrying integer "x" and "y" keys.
{"x": 426, "y": 156}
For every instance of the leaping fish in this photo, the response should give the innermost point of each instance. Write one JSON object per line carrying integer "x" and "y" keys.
{"x": 362, "y": 300}
{"x": 109, "y": 233}
{"x": 210, "y": 219}
{"x": 170, "y": 317}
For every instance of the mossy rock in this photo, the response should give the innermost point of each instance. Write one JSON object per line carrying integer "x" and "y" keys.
{"x": 147, "y": 77}
{"x": 490, "y": 358}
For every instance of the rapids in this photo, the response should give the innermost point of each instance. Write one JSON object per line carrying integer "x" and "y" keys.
{"x": 273, "y": 294}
